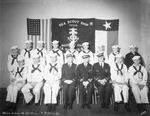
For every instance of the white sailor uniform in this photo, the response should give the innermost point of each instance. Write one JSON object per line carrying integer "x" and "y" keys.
{"x": 138, "y": 75}
{"x": 34, "y": 83}
{"x": 51, "y": 86}
{"x": 119, "y": 74}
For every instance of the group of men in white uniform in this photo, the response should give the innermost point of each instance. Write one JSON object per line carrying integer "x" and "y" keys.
{"x": 33, "y": 69}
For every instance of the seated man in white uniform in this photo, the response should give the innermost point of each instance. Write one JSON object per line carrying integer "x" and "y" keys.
{"x": 51, "y": 86}
{"x": 120, "y": 79}
{"x": 138, "y": 82}
{"x": 17, "y": 82}
{"x": 34, "y": 81}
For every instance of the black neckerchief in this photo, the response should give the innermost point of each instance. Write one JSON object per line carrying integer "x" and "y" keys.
{"x": 119, "y": 69}
{"x": 14, "y": 58}
{"x": 27, "y": 51}
{"x": 35, "y": 68}
{"x": 53, "y": 67}
{"x": 56, "y": 52}
{"x": 40, "y": 52}
{"x": 139, "y": 70}
{"x": 19, "y": 71}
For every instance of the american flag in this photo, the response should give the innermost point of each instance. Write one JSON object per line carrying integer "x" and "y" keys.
{"x": 39, "y": 29}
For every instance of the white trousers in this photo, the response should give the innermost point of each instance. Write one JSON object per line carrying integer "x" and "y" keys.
{"x": 141, "y": 96}
{"x": 117, "y": 92}
{"x": 36, "y": 91}
{"x": 51, "y": 92}
{"x": 12, "y": 91}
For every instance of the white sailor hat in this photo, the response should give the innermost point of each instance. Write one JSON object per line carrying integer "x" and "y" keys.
{"x": 116, "y": 47}
{"x": 136, "y": 57}
{"x": 85, "y": 56}
{"x": 133, "y": 46}
{"x": 29, "y": 41}
{"x": 100, "y": 54}
{"x": 55, "y": 42}
{"x": 119, "y": 56}
{"x": 20, "y": 58}
{"x": 14, "y": 47}
{"x": 71, "y": 43}
{"x": 85, "y": 43}
{"x": 40, "y": 42}
{"x": 69, "y": 55}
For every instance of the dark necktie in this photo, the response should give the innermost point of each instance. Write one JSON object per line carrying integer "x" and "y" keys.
{"x": 40, "y": 52}
{"x": 114, "y": 56}
{"x": 35, "y": 68}
{"x": 27, "y": 51}
{"x": 14, "y": 58}
{"x": 137, "y": 70}
{"x": 19, "y": 71}
{"x": 56, "y": 52}
{"x": 119, "y": 69}
{"x": 53, "y": 67}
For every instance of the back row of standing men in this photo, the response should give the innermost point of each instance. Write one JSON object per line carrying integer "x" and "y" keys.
{"x": 73, "y": 68}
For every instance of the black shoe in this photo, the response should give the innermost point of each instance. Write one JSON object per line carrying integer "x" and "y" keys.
{"x": 127, "y": 107}
{"x": 139, "y": 107}
{"x": 37, "y": 103}
{"x": 65, "y": 106}
{"x": 70, "y": 106}
{"x": 7, "y": 107}
{"x": 102, "y": 105}
{"x": 83, "y": 106}
{"x": 31, "y": 101}
{"x": 106, "y": 106}
{"x": 88, "y": 106}
{"x": 49, "y": 108}
{"x": 53, "y": 108}
{"x": 116, "y": 107}
{"x": 13, "y": 109}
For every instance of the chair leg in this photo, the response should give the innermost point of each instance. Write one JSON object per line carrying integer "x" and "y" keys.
{"x": 77, "y": 95}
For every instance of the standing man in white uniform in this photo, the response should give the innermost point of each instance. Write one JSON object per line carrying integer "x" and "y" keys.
{"x": 112, "y": 57}
{"x": 55, "y": 49}
{"x": 86, "y": 51}
{"x": 27, "y": 53}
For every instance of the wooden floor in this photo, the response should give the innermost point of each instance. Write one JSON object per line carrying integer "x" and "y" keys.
{"x": 33, "y": 110}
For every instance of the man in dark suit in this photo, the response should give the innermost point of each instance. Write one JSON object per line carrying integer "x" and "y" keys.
{"x": 68, "y": 81}
{"x": 84, "y": 77}
{"x": 133, "y": 52}
{"x": 101, "y": 74}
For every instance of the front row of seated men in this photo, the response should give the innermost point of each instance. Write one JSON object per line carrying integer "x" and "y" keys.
{"x": 30, "y": 80}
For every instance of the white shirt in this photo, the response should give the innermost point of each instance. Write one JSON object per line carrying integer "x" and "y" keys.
{"x": 138, "y": 77}
{"x": 117, "y": 76}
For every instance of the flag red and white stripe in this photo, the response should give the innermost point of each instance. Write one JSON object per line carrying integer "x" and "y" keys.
{"x": 44, "y": 33}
